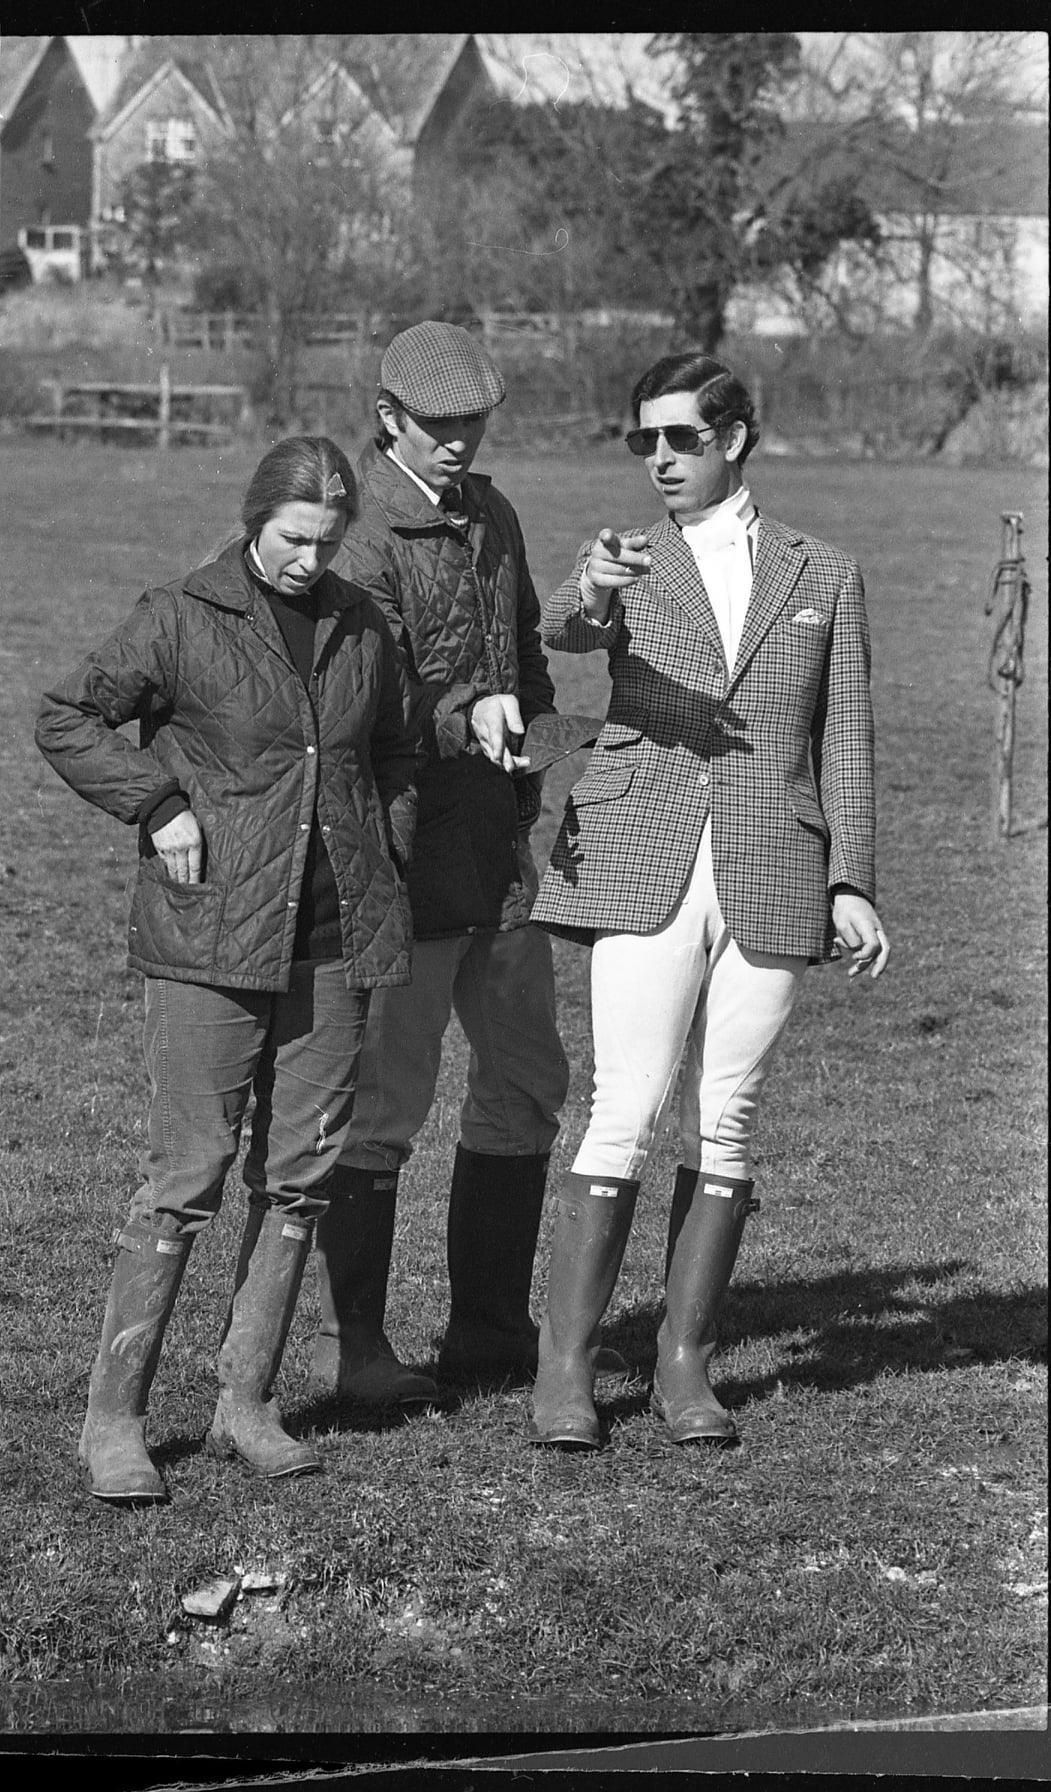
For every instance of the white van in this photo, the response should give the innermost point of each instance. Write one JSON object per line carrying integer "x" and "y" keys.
{"x": 53, "y": 251}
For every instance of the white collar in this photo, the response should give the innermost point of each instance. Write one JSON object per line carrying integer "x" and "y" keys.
{"x": 727, "y": 523}
{"x": 427, "y": 490}
{"x": 252, "y": 556}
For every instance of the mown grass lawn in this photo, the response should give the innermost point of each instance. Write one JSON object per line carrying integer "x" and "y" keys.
{"x": 878, "y": 1543}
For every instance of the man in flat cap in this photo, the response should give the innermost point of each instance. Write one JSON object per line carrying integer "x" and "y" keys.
{"x": 442, "y": 551}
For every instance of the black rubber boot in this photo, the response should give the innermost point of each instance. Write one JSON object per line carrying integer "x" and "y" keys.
{"x": 247, "y": 1421}
{"x": 146, "y": 1278}
{"x": 495, "y": 1205}
{"x": 704, "y": 1237}
{"x": 591, "y": 1232}
{"x": 353, "y": 1359}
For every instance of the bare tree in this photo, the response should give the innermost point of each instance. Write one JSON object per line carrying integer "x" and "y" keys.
{"x": 305, "y": 194}
{"x": 936, "y": 126}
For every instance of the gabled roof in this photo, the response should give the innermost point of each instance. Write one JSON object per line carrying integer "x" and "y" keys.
{"x": 417, "y": 108}
{"x": 151, "y": 64}
{"x": 335, "y": 71}
{"x": 20, "y": 57}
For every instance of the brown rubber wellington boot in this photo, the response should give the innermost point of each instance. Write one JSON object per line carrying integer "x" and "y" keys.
{"x": 353, "y": 1358}
{"x": 247, "y": 1421}
{"x": 593, "y": 1218}
{"x": 146, "y": 1276}
{"x": 495, "y": 1204}
{"x": 704, "y": 1237}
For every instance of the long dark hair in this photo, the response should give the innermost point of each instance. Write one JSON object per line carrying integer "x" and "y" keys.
{"x": 301, "y": 469}
{"x": 722, "y": 399}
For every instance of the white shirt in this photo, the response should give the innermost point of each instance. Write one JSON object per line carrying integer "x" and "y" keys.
{"x": 427, "y": 490}
{"x": 723, "y": 546}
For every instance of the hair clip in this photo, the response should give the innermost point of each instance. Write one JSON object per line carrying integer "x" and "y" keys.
{"x": 335, "y": 487}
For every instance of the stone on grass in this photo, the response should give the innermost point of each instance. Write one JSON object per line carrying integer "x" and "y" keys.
{"x": 213, "y": 1599}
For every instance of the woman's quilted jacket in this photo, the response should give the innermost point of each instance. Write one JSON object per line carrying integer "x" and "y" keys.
{"x": 222, "y": 712}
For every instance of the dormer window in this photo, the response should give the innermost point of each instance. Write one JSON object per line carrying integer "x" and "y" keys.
{"x": 47, "y": 150}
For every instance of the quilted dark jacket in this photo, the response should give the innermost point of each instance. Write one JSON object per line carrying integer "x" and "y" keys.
{"x": 466, "y": 618}
{"x": 202, "y": 666}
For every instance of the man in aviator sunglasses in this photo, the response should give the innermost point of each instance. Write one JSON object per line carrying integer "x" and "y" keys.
{"x": 721, "y": 839}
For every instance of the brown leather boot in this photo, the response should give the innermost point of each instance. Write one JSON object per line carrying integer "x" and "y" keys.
{"x": 593, "y": 1218}
{"x": 247, "y": 1421}
{"x": 146, "y": 1276}
{"x": 353, "y": 1358}
{"x": 704, "y": 1236}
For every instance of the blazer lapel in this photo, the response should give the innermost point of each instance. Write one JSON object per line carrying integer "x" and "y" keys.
{"x": 676, "y": 568}
{"x": 779, "y": 562}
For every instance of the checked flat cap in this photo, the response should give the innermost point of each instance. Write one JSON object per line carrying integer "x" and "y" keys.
{"x": 440, "y": 370}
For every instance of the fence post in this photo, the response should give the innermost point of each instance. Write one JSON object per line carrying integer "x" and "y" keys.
{"x": 164, "y": 407}
{"x": 1011, "y": 587}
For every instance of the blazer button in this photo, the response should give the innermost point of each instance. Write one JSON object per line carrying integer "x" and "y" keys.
{"x": 311, "y": 749}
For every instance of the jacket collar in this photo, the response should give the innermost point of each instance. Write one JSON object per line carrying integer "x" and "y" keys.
{"x": 780, "y": 559}
{"x": 400, "y": 498}
{"x": 227, "y": 583}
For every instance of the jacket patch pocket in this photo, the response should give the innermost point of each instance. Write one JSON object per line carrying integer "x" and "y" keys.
{"x": 174, "y": 924}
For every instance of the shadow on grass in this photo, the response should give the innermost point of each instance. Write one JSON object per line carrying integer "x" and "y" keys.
{"x": 301, "y": 1418}
{"x": 857, "y": 1326}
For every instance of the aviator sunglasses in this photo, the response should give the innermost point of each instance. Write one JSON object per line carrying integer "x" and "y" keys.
{"x": 681, "y": 438}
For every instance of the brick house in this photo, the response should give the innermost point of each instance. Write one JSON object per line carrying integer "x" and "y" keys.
{"x": 46, "y": 113}
{"x": 166, "y": 109}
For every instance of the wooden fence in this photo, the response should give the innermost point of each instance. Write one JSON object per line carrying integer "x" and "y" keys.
{"x": 543, "y": 332}
{"x": 120, "y": 409}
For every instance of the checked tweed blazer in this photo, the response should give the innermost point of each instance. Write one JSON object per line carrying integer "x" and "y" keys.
{"x": 777, "y": 750}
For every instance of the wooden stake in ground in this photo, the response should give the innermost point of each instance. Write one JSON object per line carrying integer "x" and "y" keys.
{"x": 1009, "y": 596}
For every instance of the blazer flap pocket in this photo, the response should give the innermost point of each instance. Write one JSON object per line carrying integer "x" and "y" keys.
{"x": 600, "y": 786}
{"x": 806, "y": 806}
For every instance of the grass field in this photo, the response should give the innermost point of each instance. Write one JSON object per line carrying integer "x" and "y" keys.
{"x": 878, "y": 1544}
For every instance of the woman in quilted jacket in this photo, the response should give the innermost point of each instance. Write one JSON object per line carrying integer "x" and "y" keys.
{"x": 272, "y": 790}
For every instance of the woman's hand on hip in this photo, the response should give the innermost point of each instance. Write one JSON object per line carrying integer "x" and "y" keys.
{"x": 858, "y": 929}
{"x": 180, "y": 844}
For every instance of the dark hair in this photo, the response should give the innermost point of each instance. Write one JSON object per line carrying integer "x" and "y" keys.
{"x": 298, "y": 470}
{"x": 382, "y": 436}
{"x": 722, "y": 399}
